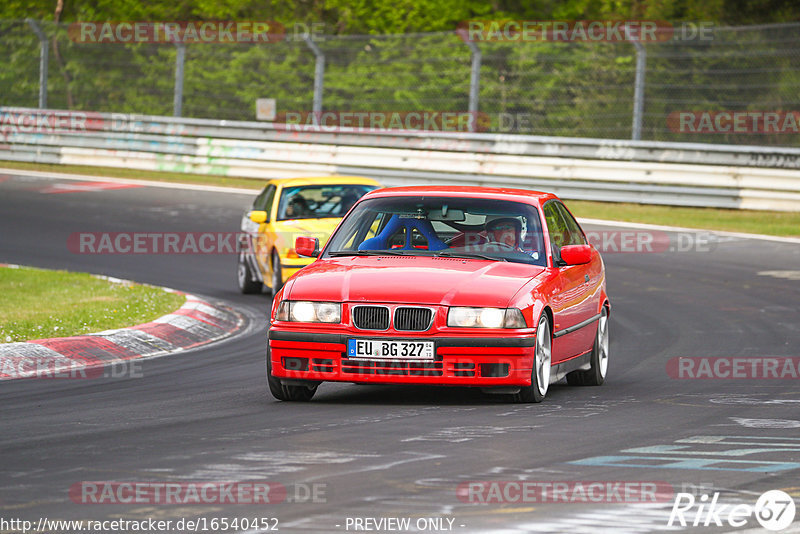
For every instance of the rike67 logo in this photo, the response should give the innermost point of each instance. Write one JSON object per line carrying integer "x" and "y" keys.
{"x": 774, "y": 510}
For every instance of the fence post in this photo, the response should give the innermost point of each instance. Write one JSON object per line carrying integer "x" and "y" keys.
{"x": 474, "y": 81}
{"x": 43, "y": 61}
{"x": 638, "y": 90}
{"x": 319, "y": 73}
{"x": 180, "y": 59}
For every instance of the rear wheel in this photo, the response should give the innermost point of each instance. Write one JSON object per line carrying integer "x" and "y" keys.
{"x": 540, "y": 374}
{"x": 244, "y": 277}
{"x": 287, "y": 393}
{"x": 277, "y": 274}
{"x": 596, "y": 374}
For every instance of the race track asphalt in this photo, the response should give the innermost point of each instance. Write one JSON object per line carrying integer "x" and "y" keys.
{"x": 402, "y": 452}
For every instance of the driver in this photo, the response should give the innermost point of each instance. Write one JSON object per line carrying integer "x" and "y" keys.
{"x": 505, "y": 230}
{"x": 297, "y": 207}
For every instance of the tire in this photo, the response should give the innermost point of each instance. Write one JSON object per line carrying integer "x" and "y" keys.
{"x": 244, "y": 277}
{"x": 542, "y": 360}
{"x": 596, "y": 374}
{"x": 277, "y": 273}
{"x": 287, "y": 393}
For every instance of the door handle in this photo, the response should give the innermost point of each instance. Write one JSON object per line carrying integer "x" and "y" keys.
{"x": 586, "y": 278}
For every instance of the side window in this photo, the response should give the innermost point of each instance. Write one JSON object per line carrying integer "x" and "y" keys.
{"x": 263, "y": 201}
{"x": 362, "y": 232}
{"x": 260, "y": 199}
{"x": 270, "y": 198}
{"x": 576, "y": 236}
{"x": 556, "y": 227}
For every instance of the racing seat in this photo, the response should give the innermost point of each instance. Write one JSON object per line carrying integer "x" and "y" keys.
{"x": 423, "y": 226}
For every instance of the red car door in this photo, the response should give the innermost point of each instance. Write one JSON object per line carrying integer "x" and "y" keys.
{"x": 575, "y": 304}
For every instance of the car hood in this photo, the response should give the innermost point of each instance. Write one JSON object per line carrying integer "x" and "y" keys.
{"x": 320, "y": 228}
{"x": 413, "y": 280}
{"x": 286, "y": 232}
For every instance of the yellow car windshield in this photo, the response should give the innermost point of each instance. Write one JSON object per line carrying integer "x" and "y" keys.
{"x": 319, "y": 201}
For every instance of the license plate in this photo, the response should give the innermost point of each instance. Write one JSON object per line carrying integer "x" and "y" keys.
{"x": 373, "y": 349}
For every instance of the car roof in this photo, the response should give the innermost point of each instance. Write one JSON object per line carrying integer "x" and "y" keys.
{"x": 498, "y": 193}
{"x": 324, "y": 180}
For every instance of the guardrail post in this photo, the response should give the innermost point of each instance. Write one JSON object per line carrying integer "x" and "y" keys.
{"x": 638, "y": 90}
{"x": 180, "y": 59}
{"x": 474, "y": 81}
{"x": 319, "y": 74}
{"x": 43, "y": 61}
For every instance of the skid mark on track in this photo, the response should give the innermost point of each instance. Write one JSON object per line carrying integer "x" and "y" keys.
{"x": 785, "y": 275}
{"x": 569, "y": 408}
{"x": 84, "y": 187}
{"x": 766, "y": 423}
{"x": 631, "y": 519}
{"x": 460, "y": 434}
{"x": 258, "y": 465}
{"x": 745, "y": 399}
{"x": 752, "y": 398}
{"x": 321, "y": 426}
{"x": 753, "y": 454}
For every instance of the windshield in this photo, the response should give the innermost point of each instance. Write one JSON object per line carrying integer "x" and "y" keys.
{"x": 319, "y": 201}
{"x": 442, "y": 226}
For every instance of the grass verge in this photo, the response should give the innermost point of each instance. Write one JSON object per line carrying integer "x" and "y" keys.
{"x": 776, "y": 223}
{"x": 38, "y": 303}
{"x": 133, "y": 174}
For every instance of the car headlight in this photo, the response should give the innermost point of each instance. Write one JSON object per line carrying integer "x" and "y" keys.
{"x": 304, "y": 311}
{"x": 485, "y": 318}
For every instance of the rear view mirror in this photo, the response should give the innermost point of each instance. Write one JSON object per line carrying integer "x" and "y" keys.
{"x": 576, "y": 254}
{"x": 306, "y": 246}
{"x": 258, "y": 216}
{"x": 445, "y": 214}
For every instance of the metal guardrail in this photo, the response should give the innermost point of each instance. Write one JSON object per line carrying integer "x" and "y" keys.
{"x": 681, "y": 174}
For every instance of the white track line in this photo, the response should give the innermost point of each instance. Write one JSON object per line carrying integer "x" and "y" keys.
{"x": 644, "y": 226}
{"x": 148, "y": 183}
{"x": 242, "y": 191}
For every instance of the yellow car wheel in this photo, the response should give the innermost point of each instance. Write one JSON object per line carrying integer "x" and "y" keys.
{"x": 244, "y": 277}
{"x": 277, "y": 273}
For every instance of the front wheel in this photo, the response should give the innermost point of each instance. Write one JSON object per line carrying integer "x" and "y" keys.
{"x": 277, "y": 274}
{"x": 542, "y": 359}
{"x": 244, "y": 277}
{"x": 596, "y": 374}
{"x": 287, "y": 393}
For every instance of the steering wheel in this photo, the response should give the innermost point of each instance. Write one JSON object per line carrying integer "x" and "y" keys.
{"x": 459, "y": 239}
{"x": 505, "y": 245}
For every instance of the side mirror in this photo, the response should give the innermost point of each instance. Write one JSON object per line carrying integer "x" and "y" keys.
{"x": 306, "y": 246}
{"x": 258, "y": 216}
{"x": 576, "y": 254}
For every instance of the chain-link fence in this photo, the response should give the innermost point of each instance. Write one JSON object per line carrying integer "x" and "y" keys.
{"x": 713, "y": 89}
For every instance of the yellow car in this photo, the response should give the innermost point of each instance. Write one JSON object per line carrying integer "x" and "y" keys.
{"x": 285, "y": 209}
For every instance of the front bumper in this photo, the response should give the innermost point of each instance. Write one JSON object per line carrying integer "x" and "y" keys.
{"x": 459, "y": 361}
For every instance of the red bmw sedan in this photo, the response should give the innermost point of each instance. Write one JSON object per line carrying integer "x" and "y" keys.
{"x": 461, "y": 286}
